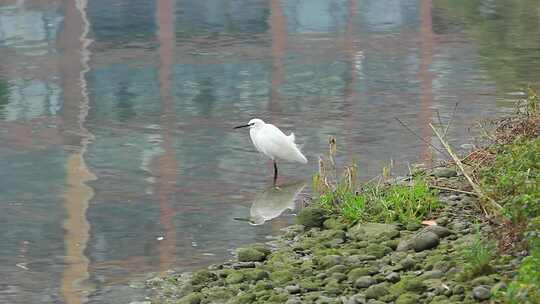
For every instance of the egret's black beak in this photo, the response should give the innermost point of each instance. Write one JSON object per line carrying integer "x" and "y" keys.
{"x": 242, "y": 126}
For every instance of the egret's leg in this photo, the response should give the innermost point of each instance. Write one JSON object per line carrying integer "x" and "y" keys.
{"x": 275, "y": 172}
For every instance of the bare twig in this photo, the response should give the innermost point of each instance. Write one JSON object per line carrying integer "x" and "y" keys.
{"x": 450, "y": 121}
{"x": 418, "y": 136}
{"x": 475, "y": 187}
{"x": 453, "y": 190}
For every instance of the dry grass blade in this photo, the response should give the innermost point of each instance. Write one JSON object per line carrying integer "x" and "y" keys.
{"x": 458, "y": 162}
{"x": 418, "y": 136}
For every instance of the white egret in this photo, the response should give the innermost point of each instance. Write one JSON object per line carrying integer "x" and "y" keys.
{"x": 270, "y": 141}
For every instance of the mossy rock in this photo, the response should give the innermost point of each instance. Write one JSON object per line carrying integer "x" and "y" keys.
{"x": 377, "y": 291}
{"x": 407, "y": 298}
{"x": 255, "y": 274}
{"x": 333, "y": 288}
{"x": 192, "y": 298}
{"x": 334, "y": 223}
{"x": 373, "y": 231}
{"x": 337, "y": 268}
{"x": 311, "y": 217}
{"x": 408, "y": 284}
{"x": 378, "y": 250}
{"x": 281, "y": 277}
{"x": 202, "y": 277}
{"x": 356, "y": 273}
{"x": 263, "y": 285}
{"x": 278, "y": 298}
{"x": 218, "y": 295}
{"x": 245, "y": 298}
{"x": 251, "y": 254}
{"x": 309, "y": 284}
{"x": 328, "y": 261}
{"x": 235, "y": 278}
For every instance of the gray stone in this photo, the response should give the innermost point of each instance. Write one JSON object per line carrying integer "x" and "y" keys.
{"x": 404, "y": 245}
{"x": 292, "y": 289}
{"x": 432, "y": 274}
{"x": 377, "y": 291}
{"x": 364, "y": 282}
{"x": 331, "y": 260}
{"x": 408, "y": 263}
{"x": 357, "y": 299}
{"x": 444, "y": 172}
{"x": 373, "y": 231}
{"x": 440, "y": 231}
{"x": 294, "y": 300}
{"x": 424, "y": 241}
{"x": 240, "y": 265}
{"x": 311, "y": 217}
{"x": 393, "y": 277}
{"x": 481, "y": 292}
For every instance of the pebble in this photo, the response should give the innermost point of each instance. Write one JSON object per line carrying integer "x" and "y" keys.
{"x": 393, "y": 277}
{"x": 243, "y": 265}
{"x": 364, "y": 282}
{"x": 481, "y": 292}
{"x": 424, "y": 241}
{"x": 292, "y": 289}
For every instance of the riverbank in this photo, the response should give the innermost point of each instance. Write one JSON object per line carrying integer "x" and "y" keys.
{"x": 464, "y": 232}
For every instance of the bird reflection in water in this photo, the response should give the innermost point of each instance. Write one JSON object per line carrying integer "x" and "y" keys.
{"x": 272, "y": 202}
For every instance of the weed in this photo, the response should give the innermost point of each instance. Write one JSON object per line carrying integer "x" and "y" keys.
{"x": 479, "y": 255}
{"x": 513, "y": 179}
{"x": 375, "y": 202}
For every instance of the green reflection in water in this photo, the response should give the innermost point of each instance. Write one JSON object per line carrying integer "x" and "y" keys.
{"x": 4, "y": 97}
{"x": 504, "y": 31}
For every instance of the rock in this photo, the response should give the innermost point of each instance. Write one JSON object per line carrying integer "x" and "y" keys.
{"x": 481, "y": 292}
{"x": 337, "y": 268}
{"x": 281, "y": 276}
{"x": 458, "y": 289}
{"x": 357, "y": 259}
{"x": 250, "y": 254}
{"x": 235, "y": 278}
{"x": 330, "y": 260}
{"x": 442, "y": 221}
{"x": 414, "y": 285}
{"x": 404, "y": 245}
{"x": 292, "y": 289}
{"x": 240, "y": 265}
{"x": 311, "y": 217}
{"x": 378, "y": 250}
{"x": 245, "y": 298}
{"x": 408, "y": 263}
{"x": 432, "y": 274}
{"x": 377, "y": 291}
{"x": 440, "y": 231}
{"x": 309, "y": 285}
{"x": 339, "y": 277}
{"x": 334, "y": 223}
{"x": 255, "y": 274}
{"x": 333, "y": 288}
{"x": 357, "y": 299}
{"x": 444, "y": 172}
{"x": 202, "y": 277}
{"x": 356, "y": 273}
{"x": 424, "y": 241}
{"x": 407, "y": 298}
{"x": 393, "y": 277}
{"x": 192, "y": 298}
{"x": 364, "y": 282}
{"x": 413, "y": 226}
{"x": 373, "y": 231}
{"x": 294, "y": 300}
{"x": 483, "y": 280}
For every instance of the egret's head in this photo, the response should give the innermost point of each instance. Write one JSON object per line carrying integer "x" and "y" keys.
{"x": 254, "y": 123}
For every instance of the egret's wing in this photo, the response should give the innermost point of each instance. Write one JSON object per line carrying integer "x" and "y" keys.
{"x": 275, "y": 143}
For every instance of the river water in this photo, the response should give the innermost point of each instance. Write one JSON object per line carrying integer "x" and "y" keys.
{"x": 117, "y": 153}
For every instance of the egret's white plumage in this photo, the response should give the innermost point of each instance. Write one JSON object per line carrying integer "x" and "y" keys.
{"x": 272, "y": 142}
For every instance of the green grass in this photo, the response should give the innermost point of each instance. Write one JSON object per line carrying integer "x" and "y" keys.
{"x": 525, "y": 286}
{"x": 478, "y": 256}
{"x": 396, "y": 203}
{"x": 513, "y": 179}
